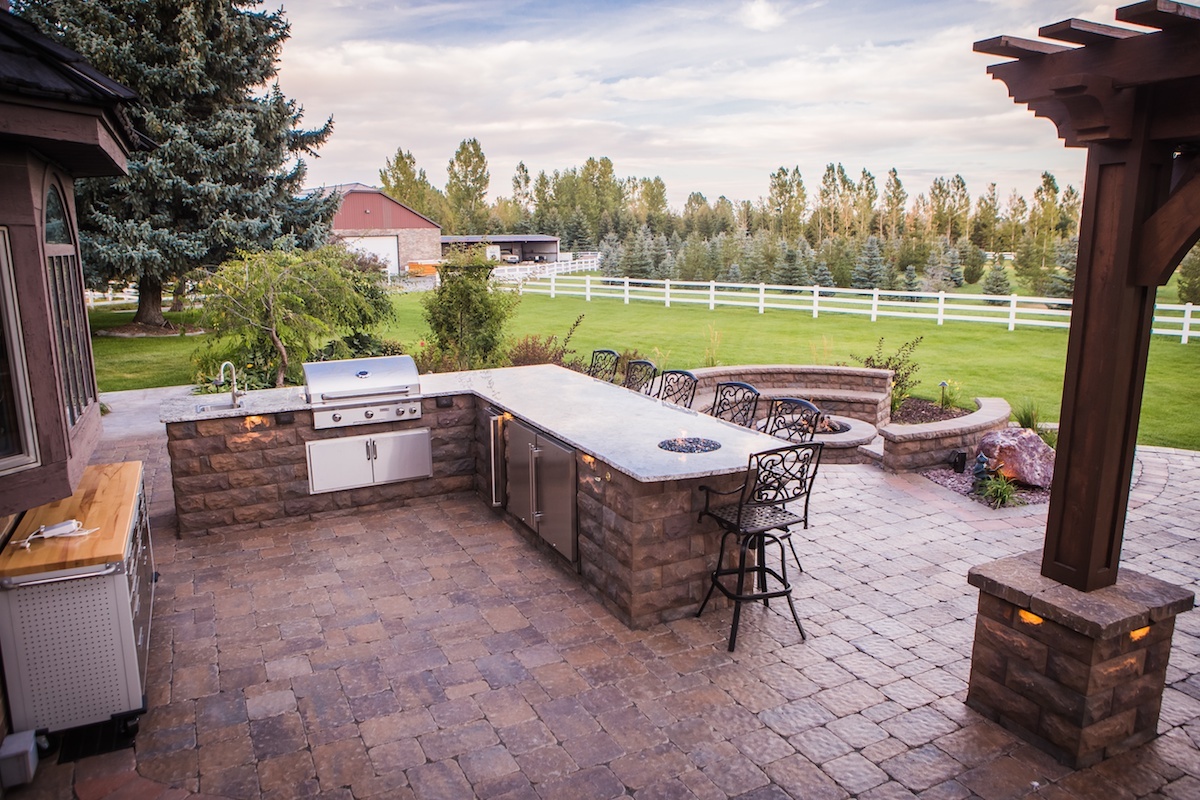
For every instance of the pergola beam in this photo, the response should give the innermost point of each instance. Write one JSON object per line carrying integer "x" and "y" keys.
{"x": 1078, "y": 31}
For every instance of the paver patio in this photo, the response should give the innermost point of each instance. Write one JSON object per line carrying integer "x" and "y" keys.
{"x": 430, "y": 652}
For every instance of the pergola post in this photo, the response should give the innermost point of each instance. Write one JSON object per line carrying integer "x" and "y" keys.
{"x": 1106, "y": 363}
{"x": 1070, "y": 650}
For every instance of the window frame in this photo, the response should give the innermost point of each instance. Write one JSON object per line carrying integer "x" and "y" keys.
{"x": 30, "y": 456}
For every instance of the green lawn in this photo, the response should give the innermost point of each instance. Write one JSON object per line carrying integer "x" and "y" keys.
{"x": 986, "y": 360}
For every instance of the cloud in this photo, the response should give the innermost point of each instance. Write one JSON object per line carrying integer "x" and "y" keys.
{"x": 673, "y": 90}
{"x": 760, "y": 15}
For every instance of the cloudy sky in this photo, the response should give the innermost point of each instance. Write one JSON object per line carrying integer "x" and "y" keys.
{"x": 711, "y": 95}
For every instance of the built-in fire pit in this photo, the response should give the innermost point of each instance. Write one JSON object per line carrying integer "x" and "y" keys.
{"x": 689, "y": 444}
{"x": 831, "y": 425}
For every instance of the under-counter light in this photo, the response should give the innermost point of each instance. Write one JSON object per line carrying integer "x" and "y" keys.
{"x": 1139, "y": 634}
{"x": 254, "y": 422}
{"x": 1029, "y": 618}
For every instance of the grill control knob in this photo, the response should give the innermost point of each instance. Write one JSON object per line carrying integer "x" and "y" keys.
{"x": 399, "y": 412}
{"x": 337, "y": 417}
{"x": 368, "y": 414}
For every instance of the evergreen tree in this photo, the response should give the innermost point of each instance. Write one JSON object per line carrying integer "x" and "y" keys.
{"x": 973, "y": 260}
{"x": 658, "y": 254}
{"x": 869, "y": 270}
{"x": 1062, "y": 281}
{"x": 227, "y": 172}
{"x": 822, "y": 276}
{"x": 997, "y": 282}
{"x": 911, "y": 282}
{"x": 610, "y": 255}
{"x": 954, "y": 266}
{"x": 1035, "y": 264}
{"x": 937, "y": 271}
{"x": 635, "y": 255}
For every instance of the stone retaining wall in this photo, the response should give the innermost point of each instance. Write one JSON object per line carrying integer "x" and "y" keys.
{"x": 908, "y": 448}
{"x": 857, "y": 392}
{"x": 241, "y": 473}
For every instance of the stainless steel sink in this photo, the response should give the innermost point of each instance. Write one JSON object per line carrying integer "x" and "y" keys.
{"x": 204, "y": 408}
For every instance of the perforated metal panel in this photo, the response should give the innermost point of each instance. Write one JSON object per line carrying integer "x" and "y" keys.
{"x": 71, "y": 658}
{"x": 71, "y": 653}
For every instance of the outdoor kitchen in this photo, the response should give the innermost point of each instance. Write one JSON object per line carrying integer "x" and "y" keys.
{"x": 349, "y": 442}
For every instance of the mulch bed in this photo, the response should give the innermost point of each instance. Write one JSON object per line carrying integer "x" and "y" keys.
{"x": 915, "y": 411}
{"x": 964, "y": 484}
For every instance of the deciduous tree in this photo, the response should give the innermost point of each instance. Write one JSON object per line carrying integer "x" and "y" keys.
{"x": 467, "y": 179}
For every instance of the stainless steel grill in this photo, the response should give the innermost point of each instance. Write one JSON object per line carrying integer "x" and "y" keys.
{"x": 362, "y": 391}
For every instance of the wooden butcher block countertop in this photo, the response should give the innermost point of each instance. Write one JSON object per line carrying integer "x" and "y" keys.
{"x": 106, "y": 499}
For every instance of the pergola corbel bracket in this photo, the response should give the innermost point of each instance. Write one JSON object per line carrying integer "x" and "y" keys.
{"x": 1165, "y": 238}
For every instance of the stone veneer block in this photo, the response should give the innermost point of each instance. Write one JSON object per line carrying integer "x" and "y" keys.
{"x": 1079, "y": 674}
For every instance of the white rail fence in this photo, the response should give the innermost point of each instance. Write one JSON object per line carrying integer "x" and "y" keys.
{"x": 513, "y": 273}
{"x": 1177, "y": 321}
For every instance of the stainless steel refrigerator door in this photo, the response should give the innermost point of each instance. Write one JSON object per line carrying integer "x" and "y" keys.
{"x": 520, "y": 448}
{"x": 556, "y": 487}
{"x": 542, "y": 486}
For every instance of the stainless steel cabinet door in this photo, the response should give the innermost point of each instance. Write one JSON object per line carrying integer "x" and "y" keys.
{"x": 541, "y": 486}
{"x": 521, "y": 443}
{"x": 556, "y": 488}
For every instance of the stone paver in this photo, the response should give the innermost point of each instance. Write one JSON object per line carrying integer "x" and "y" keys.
{"x": 430, "y": 652}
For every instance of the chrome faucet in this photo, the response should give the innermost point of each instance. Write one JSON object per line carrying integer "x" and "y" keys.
{"x": 220, "y": 381}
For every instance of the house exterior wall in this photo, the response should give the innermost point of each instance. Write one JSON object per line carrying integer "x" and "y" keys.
{"x": 63, "y": 449}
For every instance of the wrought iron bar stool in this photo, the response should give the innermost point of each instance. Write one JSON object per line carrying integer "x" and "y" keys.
{"x": 760, "y": 517}
{"x": 793, "y": 419}
{"x": 677, "y": 386}
{"x": 604, "y": 365}
{"x": 735, "y": 402}
{"x": 640, "y": 375}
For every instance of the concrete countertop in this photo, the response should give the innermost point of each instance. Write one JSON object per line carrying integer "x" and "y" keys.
{"x": 617, "y": 426}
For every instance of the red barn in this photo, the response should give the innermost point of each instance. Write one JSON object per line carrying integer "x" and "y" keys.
{"x": 370, "y": 221}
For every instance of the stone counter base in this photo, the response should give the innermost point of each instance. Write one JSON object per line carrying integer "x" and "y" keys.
{"x": 242, "y": 473}
{"x": 1078, "y": 674}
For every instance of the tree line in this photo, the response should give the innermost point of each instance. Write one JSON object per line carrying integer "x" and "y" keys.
{"x": 849, "y": 231}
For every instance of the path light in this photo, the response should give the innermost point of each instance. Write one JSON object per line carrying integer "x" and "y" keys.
{"x": 943, "y": 384}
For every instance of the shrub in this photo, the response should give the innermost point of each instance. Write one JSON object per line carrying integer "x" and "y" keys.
{"x": 467, "y": 313}
{"x": 998, "y": 491}
{"x": 537, "y": 349}
{"x": 903, "y": 368}
{"x": 951, "y": 394}
{"x": 1027, "y": 416}
{"x": 1189, "y": 277}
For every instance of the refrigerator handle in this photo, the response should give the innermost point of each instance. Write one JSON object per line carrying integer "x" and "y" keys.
{"x": 496, "y": 456}
{"x": 535, "y": 454}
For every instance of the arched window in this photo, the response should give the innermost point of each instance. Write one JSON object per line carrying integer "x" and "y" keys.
{"x": 18, "y": 445}
{"x": 65, "y": 280}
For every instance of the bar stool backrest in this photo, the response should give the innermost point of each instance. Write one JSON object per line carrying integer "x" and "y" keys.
{"x": 677, "y": 386}
{"x": 735, "y": 402}
{"x": 793, "y": 419}
{"x": 604, "y": 365}
{"x": 639, "y": 376}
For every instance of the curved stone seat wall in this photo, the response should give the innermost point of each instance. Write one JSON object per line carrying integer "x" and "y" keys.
{"x": 908, "y": 448}
{"x": 856, "y": 392}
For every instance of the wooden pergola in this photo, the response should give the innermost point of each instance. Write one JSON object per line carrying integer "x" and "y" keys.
{"x": 1132, "y": 98}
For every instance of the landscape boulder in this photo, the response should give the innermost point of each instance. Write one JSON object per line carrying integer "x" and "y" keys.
{"x": 1021, "y": 454}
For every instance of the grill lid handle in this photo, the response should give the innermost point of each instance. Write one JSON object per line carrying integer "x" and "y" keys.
{"x": 352, "y": 394}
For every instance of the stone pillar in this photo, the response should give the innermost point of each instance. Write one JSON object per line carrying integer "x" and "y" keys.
{"x": 1078, "y": 674}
